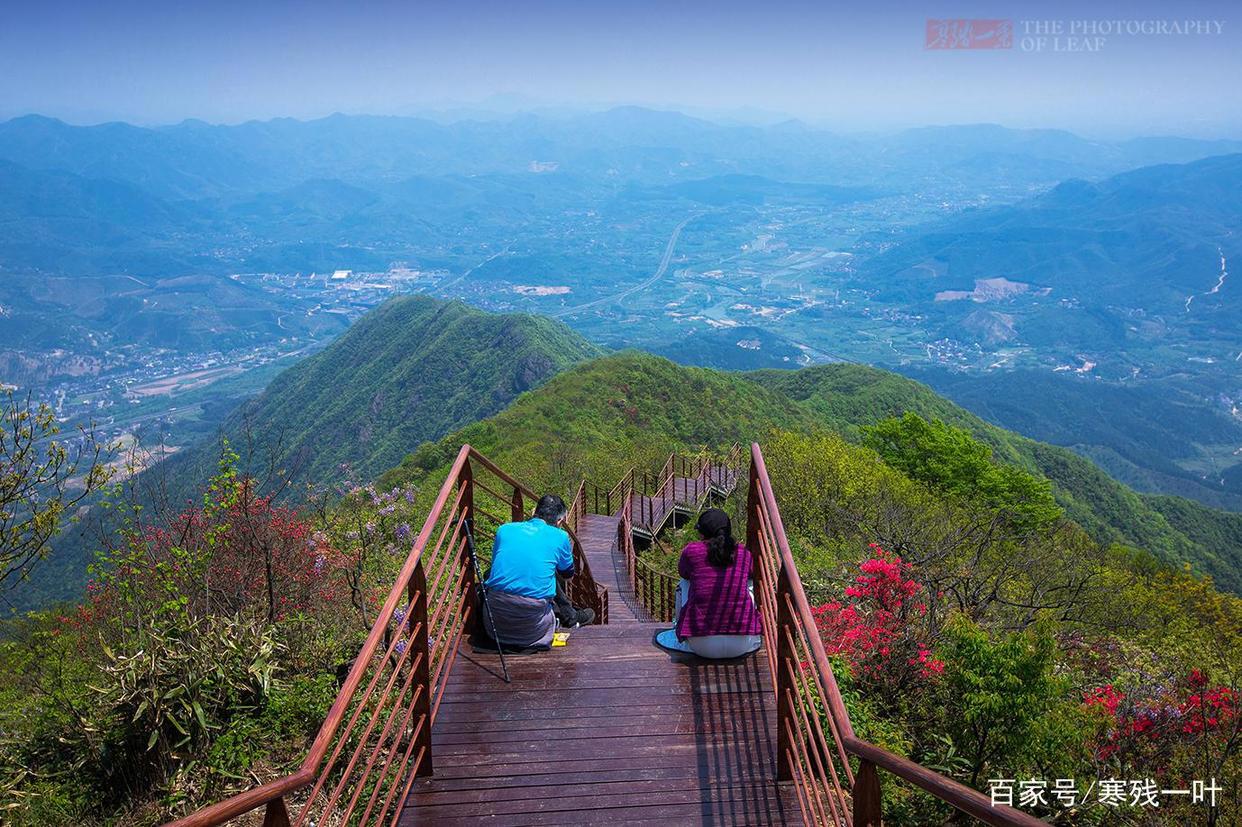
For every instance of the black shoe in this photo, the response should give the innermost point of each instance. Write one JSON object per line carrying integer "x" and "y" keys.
{"x": 585, "y": 618}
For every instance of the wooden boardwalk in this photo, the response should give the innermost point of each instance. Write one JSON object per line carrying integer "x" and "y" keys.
{"x": 685, "y": 495}
{"x": 598, "y": 534}
{"x": 610, "y": 729}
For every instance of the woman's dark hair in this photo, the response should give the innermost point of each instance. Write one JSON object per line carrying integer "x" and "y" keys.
{"x": 716, "y": 529}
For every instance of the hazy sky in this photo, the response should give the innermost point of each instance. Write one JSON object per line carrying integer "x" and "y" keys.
{"x": 160, "y": 61}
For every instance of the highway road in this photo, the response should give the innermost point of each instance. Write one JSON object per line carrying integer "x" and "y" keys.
{"x": 624, "y": 294}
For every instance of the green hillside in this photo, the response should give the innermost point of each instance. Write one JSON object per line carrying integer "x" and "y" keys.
{"x": 632, "y": 408}
{"x": 409, "y": 371}
{"x": 844, "y": 397}
{"x": 608, "y": 414}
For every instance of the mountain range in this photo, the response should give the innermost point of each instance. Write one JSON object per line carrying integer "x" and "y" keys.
{"x": 417, "y": 377}
{"x": 1146, "y": 239}
{"x": 198, "y": 197}
{"x": 1081, "y": 301}
{"x": 1104, "y": 317}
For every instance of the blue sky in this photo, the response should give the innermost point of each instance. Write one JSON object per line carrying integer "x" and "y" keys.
{"x": 847, "y": 69}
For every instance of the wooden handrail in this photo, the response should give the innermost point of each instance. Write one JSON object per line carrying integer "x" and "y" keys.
{"x": 656, "y": 590}
{"x": 248, "y": 801}
{"x": 805, "y": 755}
{"x": 413, "y": 685}
{"x": 836, "y": 705}
{"x": 967, "y": 799}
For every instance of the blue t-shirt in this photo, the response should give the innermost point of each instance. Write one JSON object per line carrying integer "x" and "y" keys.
{"x": 526, "y": 557}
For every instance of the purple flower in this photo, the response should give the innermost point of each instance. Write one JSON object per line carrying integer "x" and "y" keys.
{"x": 403, "y": 531}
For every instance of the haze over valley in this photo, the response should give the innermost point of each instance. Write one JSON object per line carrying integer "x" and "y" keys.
{"x": 155, "y": 277}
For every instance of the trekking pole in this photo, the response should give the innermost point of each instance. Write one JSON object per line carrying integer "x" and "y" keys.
{"x": 487, "y": 607}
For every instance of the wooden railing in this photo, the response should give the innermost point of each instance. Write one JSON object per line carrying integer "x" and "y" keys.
{"x": 814, "y": 738}
{"x": 683, "y": 481}
{"x": 655, "y": 590}
{"x": 376, "y": 738}
{"x": 583, "y": 590}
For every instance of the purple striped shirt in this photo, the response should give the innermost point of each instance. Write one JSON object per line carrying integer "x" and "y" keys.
{"x": 720, "y": 602}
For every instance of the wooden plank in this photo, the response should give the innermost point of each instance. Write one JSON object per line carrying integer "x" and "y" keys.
{"x": 755, "y": 798}
{"x": 647, "y": 686}
{"x": 650, "y": 726}
{"x": 540, "y": 776}
{"x": 446, "y": 731}
{"x": 632, "y": 668}
{"x": 725, "y": 764}
{"x": 634, "y": 789}
{"x": 662, "y": 815}
{"x": 636, "y": 677}
{"x": 467, "y": 714}
{"x": 587, "y": 749}
{"x": 752, "y": 803}
{"x": 569, "y": 703}
{"x": 473, "y": 718}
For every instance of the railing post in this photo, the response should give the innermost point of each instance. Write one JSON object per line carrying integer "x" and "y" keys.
{"x": 276, "y": 814}
{"x": 752, "y": 529}
{"x": 517, "y": 511}
{"x": 418, "y": 619}
{"x": 420, "y": 641}
{"x": 465, "y": 480}
{"x": 621, "y": 548}
{"x": 866, "y": 795}
{"x": 785, "y": 690}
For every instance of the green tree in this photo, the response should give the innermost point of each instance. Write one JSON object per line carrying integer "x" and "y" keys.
{"x": 996, "y": 693}
{"x": 953, "y": 462}
{"x": 43, "y": 479}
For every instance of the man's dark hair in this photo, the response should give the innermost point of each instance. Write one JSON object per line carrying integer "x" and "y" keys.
{"x": 550, "y": 509}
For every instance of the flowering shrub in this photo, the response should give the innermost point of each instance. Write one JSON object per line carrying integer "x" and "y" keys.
{"x": 1146, "y": 728}
{"x": 877, "y": 630}
{"x": 366, "y": 536}
{"x": 236, "y": 553}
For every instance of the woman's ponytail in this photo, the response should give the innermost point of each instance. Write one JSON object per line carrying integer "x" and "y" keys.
{"x": 716, "y": 529}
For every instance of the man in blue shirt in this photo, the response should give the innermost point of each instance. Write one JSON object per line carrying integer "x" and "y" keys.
{"x": 524, "y": 586}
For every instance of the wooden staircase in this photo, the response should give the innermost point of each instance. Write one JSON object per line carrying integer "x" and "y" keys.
{"x": 610, "y": 729}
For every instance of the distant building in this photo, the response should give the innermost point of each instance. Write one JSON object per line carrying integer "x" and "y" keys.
{"x": 342, "y": 275}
